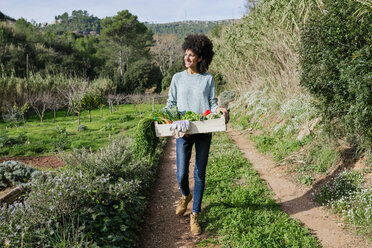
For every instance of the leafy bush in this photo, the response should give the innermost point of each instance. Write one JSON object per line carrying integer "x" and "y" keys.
{"x": 116, "y": 159}
{"x": 14, "y": 173}
{"x": 336, "y": 66}
{"x": 61, "y": 140}
{"x": 96, "y": 201}
{"x": 7, "y": 141}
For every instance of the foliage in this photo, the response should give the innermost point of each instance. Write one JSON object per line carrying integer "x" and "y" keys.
{"x": 182, "y": 29}
{"x": 226, "y": 97}
{"x": 96, "y": 201}
{"x": 347, "y": 195}
{"x": 145, "y": 138}
{"x": 141, "y": 75}
{"x": 8, "y": 141}
{"x": 74, "y": 94}
{"x": 124, "y": 40}
{"x": 92, "y": 100}
{"x": 61, "y": 140}
{"x": 13, "y": 115}
{"x": 25, "y": 48}
{"x": 171, "y": 113}
{"x": 239, "y": 206}
{"x": 279, "y": 144}
{"x": 14, "y": 173}
{"x": 336, "y": 66}
{"x": 166, "y": 51}
{"x": 4, "y": 17}
{"x": 79, "y": 21}
{"x": 344, "y": 185}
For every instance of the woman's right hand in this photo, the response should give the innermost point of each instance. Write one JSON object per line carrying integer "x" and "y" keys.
{"x": 225, "y": 113}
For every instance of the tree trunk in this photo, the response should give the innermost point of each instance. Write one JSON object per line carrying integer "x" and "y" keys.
{"x": 121, "y": 67}
{"x": 126, "y": 64}
{"x": 54, "y": 114}
{"x": 79, "y": 118}
{"x": 90, "y": 117}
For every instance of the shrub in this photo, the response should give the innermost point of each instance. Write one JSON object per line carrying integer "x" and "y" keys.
{"x": 96, "y": 201}
{"x": 14, "y": 173}
{"x": 61, "y": 140}
{"x": 336, "y": 61}
{"x": 7, "y": 141}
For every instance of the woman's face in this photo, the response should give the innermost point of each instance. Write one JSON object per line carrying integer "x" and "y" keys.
{"x": 191, "y": 60}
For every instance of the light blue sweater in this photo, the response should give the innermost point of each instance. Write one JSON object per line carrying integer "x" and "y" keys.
{"x": 192, "y": 92}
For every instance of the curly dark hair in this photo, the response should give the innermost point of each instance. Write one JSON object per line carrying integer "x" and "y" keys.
{"x": 202, "y": 46}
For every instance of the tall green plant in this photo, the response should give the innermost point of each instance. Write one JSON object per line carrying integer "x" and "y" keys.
{"x": 336, "y": 66}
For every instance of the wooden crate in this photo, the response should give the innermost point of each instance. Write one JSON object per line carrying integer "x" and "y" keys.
{"x": 206, "y": 126}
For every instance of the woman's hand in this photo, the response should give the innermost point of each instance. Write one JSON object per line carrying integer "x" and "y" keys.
{"x": 225, "y": 113}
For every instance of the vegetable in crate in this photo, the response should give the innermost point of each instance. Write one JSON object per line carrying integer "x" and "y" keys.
{"x": 191, "y": 116}
{"x": 171, "y": 112}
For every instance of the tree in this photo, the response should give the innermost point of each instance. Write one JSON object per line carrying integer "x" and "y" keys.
{"x": 74, "y": 94}
{"x": 123, "y": 37}
{"x": 38, "y": 101}
{"x": 92, "y": 100}
{"x": 166, "y": 51}
{"x": 142, "y": 75}
{"x": 86, "y": 47}
{"x": 54, "y": 102}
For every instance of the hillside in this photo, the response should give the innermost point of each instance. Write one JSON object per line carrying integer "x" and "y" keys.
{"x": 181, "y": 29}
{"x": 4, "y": 17}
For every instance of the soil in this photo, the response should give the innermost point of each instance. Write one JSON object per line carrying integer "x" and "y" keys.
{"x": 37, "y": 162}
{"x": 163, "y": 228}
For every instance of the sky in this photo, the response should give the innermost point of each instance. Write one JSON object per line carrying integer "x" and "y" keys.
{"x": 152, "y": 11}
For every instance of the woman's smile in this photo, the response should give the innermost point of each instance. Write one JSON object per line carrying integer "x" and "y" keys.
{"x": 191, "y": 60}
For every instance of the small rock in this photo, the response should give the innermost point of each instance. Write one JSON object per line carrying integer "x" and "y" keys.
{"x": 81, "y": 128}
{"x": 308, "y": 128}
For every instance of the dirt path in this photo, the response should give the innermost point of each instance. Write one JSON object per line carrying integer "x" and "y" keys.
{"x": 163, "y": 228}
{"x": 297, "y": 200}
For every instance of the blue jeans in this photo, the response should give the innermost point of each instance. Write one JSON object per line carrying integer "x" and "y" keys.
{"x": 184, "y": 147}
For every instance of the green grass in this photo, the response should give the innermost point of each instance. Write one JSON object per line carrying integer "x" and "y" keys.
{"x": 349, "y": 197}
{"x": 46, "y": 138}
{"x": 240, "y": 210}
{"x": 279, "y": 144}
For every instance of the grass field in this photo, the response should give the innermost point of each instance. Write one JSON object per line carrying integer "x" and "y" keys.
{"x": 36, "y": 138}
{"x": 240, "y": 210}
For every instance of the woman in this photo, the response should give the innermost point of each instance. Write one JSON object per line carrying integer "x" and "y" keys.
{"x": 193, "y": 90}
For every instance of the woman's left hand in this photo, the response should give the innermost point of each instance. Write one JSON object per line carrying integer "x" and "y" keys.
{"x": 225, "y": 113}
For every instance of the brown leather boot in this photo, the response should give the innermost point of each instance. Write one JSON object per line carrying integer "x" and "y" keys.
{"x": 194, "y": 224}
{"x": 182, "y": 204}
